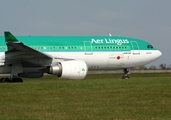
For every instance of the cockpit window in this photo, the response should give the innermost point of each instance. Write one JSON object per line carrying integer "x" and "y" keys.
{"x": 150, "y": 46}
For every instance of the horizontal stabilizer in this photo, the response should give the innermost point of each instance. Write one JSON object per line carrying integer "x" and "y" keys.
{"x": 9, "y": 37}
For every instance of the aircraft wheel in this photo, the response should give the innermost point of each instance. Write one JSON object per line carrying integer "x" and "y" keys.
{"x": 3, "y": 80}
{"x": 125, "y": 77}
{"x": 17, "y": 80}
{"x": 20, "y": 80}
{"x": 7, "y": 80}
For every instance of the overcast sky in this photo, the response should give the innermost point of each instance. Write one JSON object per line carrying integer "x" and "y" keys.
{"x": 149, "y": 20}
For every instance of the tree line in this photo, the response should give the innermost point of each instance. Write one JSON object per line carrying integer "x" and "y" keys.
{"x": 153, "y": 67}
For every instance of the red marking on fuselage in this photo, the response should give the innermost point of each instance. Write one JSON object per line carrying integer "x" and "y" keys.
{"x": 118, "y": 57}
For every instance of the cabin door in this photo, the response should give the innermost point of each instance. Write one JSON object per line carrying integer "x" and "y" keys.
{"x": 88, "y": 48}
{"x": 135, "y": 48}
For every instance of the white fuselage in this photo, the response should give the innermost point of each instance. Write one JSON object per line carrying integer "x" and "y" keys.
{"x": 97, "y": 60}
{"x": 112, "y": 60}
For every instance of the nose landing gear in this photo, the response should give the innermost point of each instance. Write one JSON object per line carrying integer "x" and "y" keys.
{"x": 125, "y": 76}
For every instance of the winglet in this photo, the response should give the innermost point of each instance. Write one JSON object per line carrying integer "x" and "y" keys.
{"x": 9, "y": 37}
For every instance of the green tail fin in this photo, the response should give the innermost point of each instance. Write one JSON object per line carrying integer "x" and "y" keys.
{"x": 9, "y": 37}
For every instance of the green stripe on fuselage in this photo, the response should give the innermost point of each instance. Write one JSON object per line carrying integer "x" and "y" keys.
{"x": 79, "y": 43}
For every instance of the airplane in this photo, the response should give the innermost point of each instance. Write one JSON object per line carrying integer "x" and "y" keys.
{"x": 70, "y": 56}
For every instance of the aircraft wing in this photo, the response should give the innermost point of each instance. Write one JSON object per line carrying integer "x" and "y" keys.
{"x": 19, "y": 52}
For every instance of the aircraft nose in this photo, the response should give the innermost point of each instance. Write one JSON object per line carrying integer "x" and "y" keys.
{"x": 157, "y": 54}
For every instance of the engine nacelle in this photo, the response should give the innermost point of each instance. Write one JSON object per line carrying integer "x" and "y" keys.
{"x": 73, "y": 69}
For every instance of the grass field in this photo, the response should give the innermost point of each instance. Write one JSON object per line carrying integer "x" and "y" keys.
{"x": 98, "y": 97}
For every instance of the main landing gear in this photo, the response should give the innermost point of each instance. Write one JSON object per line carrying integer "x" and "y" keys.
{"x": 125, "y": 76}
{"x": 12, "y": 79}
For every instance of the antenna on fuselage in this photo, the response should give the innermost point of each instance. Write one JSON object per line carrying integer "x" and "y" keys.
{"x": 110, "y": 34}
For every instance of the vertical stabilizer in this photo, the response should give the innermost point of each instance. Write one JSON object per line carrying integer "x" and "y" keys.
{"x": 9, "y": 37}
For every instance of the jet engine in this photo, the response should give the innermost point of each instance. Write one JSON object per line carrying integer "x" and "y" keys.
{"x": 73, "y": 69}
